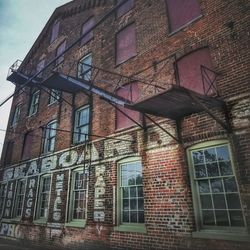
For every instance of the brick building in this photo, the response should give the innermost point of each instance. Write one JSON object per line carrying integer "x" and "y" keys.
{"x": 129, "y": 128}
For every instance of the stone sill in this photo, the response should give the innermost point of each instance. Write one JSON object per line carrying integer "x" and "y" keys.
{"x": 134, "y": 228}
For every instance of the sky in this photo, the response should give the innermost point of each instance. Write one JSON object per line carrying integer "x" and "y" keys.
{"x": 21, "y": 21}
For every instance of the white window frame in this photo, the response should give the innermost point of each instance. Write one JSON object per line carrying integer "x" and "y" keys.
{"x": 39, "y": 218}
{"x": 128, "y": 226}
{"x": 74, "y": 222}
{"x": 19, "y": 199}
{"x": 84, "y": 71}
{"x": 49, "y": 136}
{"x": 54, "y": 96}
{"x": 16, "y": 115}
{"x": 34, "y": 103}
{"x": 206, "y": 231}
{"x": 3, "y": 193}
{"x": 77, "y": 137}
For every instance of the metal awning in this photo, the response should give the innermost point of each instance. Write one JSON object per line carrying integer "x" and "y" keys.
{"x": 20, "y": 78}
{"x": 72, "y": 85}
{"x": 175, "y": 102}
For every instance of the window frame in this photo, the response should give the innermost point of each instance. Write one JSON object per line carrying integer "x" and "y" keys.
{"x": 128, "y": 226}
{"x": 116, "y": 44}
{"x": 33, "y": 104}
{"x": 77, "y": 222}
{"x": 54, "y": 96}
{"x": 3, "y": 193}
{"x": 80, "y": 68}
{"x": 218, "y": 232}
{"x": 86, "y": 137}
{"x": 38, "y": 218}
{"x": 118, "y": 15}
{"x": 48, "y": 138}
{"x": 16, "y": 115}
{"x": 172, "y": 32}
{"x": 17, "y": 196}
{"x": 91, "y": 33}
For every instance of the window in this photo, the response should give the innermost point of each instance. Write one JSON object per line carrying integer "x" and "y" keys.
{"x": 54, "y": 96}
{"x": 39, "y": 67}
{"x": 34, "y": 103}
{"x": 124, "y": 8}
{"x": 20, "y": 194}
{"x": 84, "y": 67}
{"x": 189, "y": 71}
{"x": 16, "y": 115}
{"x": 3, "y": 191}
{"x": 125, "y": 44}
{"x": 60, "y": 49}
{"x": 8, "y": 153}
{"x": 81, "y": 126}
{"x": 85, "y": 28}
{"x": 214, "y": 186}
{"x": 55, "y": 31}
{"x": 43, "y": 198}
{"x": 181, "y": 12}
{"x": 50, "y": 137}
{"x": 130, "y": 194}
{"x": 78, "y": 209}
{"x": 27, "y": 145}
{"x": 129, "y": 92}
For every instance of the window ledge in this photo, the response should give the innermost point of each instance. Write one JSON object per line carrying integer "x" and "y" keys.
{"x": 136, "y": 228}
{"x": 40, "y": 222}
{"x": 81, "y": 224}
{"x": 233, "y": 236}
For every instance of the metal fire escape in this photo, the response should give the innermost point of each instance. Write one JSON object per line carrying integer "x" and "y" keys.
{"x": 174, "y": 102}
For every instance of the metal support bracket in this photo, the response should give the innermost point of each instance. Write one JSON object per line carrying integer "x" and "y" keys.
{"x": 206, "y": 109}
{"x": 158, "y": 125}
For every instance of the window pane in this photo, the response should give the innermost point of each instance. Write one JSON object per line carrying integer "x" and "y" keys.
{"x": 230, "y": 184}
{"x": 198, "y": 157}
{"x": 206, "y": 201}
{"x": 204, "y": 186}
{"x": 236, "y": 218}
{"x": 125, "y": 192}
{"x": 125, "y": 204}
{"x": 212, "y": 169}
{"x": 210, "y": 155}
{"x": 125, "y": 44}
{"x": 233, "y": 201}
{"x": 225, "y": 168}
{"x": 200, "y": 171}
{"x": 125, "y": 216}
{"x": 219, "y": 201}
{"x": 208, "y": 217}
{"x": 223, "y": 153}
{"x": 181, "y": 12}
{"x": 133, "y": 217}
{"x": 216, "y": 185}
{"x": 133, "y": 192}
{"x": 221, "y": 218}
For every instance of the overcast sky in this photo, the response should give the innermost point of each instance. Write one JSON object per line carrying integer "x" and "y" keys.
{"x": 21, "y": 21}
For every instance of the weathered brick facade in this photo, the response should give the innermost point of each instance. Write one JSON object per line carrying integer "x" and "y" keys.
{"x": 170, "y": 220}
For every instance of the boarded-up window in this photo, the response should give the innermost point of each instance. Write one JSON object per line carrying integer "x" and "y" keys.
{"x": 39, "y": 67}
{"x": 189, "y": 71}
{"x": 60, "y": 50}
{"x": 55, "y": 31}
{"x": 124, "y": 8}
{"x": 85, "y": 28}
{"x": 8, "y": 153}
{"x": 129, "y": 92}
{"x": 125, "y": 44}
{"x": 27, "y": 145}
{"x": 181, "y": 12}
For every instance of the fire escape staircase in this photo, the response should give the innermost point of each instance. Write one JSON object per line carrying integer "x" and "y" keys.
{"x": 175, "y": 102}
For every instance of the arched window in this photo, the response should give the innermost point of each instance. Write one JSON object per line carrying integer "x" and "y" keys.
{"x": 55, "y": 31}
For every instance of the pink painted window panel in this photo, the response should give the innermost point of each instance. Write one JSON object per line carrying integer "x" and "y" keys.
{"x": 55, "y": 31}
{"x": 85, "y": 28}
{"x": 60, "y": 49}
{"x": 39, "y": 67}
{"x": 181, "y": 12}
{"x": 131, "y": 93}
{"x": 125, "y": 44}
{"x": 189, "y": 69}
{"x": 123, "y": 9}
{"x": 27, "y": 146}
